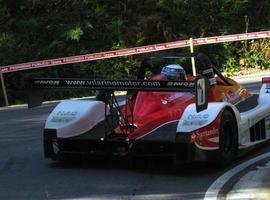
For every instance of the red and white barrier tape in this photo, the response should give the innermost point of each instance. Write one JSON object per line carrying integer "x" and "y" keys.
{"x": 133, "y": 51}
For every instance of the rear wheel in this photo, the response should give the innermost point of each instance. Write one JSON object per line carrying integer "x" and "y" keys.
{"x": 227, "y": 139}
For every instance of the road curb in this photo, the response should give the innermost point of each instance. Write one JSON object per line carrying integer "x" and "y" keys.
{"x": 213, "y": 191}
{"x": 254, "y": 184}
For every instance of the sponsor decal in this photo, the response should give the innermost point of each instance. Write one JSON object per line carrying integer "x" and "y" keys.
{"x": 164, "y": 102}
{"x": 196, "y": 119}
{"x": 66, "y": 113}
{"x": 181, "y": 84}
{"x": 207, "y": 138}
{"x": 199, "y": 136}
{"x": 115, "y": 84}
{"x": 198, "y": 116}
{"x": 64, "y": 116}
{"x": 56, "y": 119}
{"x": 231, "y": 97}
{"x": 169, "y": 99}
{"x": 194, "y": 122}
{"x": 46, "y": 82}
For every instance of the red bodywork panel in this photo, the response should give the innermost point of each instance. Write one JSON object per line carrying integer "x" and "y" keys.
{"x": 153, "y": 109}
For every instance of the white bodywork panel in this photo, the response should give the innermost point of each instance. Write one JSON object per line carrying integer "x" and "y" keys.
{"x": 261, "y": 111}
{"x": 191, "y": 120}
{"x": 74, "y": 117}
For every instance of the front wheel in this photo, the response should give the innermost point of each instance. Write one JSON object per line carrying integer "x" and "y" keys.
{"x": 227, "y": 138}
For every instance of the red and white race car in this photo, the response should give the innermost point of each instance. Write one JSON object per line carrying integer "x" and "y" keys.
{"x": 203, "y": 117}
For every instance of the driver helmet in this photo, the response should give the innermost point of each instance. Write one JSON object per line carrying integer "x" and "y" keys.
{"x": 174, "y": 72}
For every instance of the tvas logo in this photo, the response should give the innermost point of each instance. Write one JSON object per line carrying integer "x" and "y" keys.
{"x": 169, "y": 99}
{"x": 164, "y": 102}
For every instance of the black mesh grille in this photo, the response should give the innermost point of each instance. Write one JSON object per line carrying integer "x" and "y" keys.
{"x": 257, "y": 131}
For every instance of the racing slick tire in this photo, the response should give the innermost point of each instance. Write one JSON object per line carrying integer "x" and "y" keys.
{"x": 227, "y": 139}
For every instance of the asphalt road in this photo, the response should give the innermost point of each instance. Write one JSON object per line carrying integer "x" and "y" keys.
{"x": 253, "y": 87}
{"x": 25, "y": 174}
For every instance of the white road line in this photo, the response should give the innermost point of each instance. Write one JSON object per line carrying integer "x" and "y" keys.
{"x": 213, "y": 190}
{"x": 253, "y": 185}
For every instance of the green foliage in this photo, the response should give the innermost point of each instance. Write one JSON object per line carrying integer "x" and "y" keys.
{"x": 33, "y": 30}
{"x": 258, "y": 54}
{"x": 230, "y": 65}
{"x": 75, "y": 33}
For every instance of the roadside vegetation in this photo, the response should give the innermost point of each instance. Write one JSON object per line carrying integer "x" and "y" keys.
{"x": 35, "y": 29}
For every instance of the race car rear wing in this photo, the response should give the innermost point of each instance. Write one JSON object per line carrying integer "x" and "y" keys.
{"x": 199, "y": 87}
